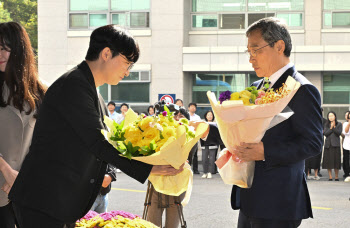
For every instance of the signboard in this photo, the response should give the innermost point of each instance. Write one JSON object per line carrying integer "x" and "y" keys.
{"x": 169, "y": 98}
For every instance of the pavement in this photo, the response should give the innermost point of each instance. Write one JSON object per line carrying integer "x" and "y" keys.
{"x": 210, "y": 202}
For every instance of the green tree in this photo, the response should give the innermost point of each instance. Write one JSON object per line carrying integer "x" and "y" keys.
{"x": 25, "y": 12}
{"x": 4, "y": 14}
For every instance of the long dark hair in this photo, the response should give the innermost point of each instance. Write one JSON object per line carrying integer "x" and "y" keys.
{"x": 21, "y": 74}
{"x": 329, "y": 122}
{"x": 206, "y": 113}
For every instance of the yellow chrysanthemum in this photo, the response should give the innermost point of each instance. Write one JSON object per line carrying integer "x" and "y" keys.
{"x": 169, "y": 132}
{"x": 145, "y": 123}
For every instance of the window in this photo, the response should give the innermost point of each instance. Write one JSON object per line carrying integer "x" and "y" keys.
{"x": 216, "y": 83}
{"x": 336, "y": 14}
{"x": 133, "y": 89}
{"x": 89, "y": 14}
{"x": 239, "y": 14}
{"x": 336, "y": 93}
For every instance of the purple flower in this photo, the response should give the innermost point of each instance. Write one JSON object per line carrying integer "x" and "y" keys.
{"x": 224, "y": 96}
{"x": 164, "y": 113}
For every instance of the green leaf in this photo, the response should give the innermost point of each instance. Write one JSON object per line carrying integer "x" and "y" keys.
{"x": 161, "y": 135}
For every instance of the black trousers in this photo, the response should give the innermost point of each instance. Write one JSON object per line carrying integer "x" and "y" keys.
{"x": 193, "y": 157}
{"x": 29, "y": 218}
{"x": 7, "y": 217}
{"x": 249, "y": 222}
{"x": 346, "y": 162}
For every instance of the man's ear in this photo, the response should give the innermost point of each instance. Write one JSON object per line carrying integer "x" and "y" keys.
{"x": 105, "y": 54}
{"x": 281, "y": 46}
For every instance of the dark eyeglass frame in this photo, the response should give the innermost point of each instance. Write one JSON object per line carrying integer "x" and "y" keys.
{"x": 131, "y": 63}
{"x": 254, "y": 52}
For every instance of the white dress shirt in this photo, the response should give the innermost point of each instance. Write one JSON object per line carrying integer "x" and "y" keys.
{"x": 275, "y": 76}
{"x": 194, "y": 117}
{"x": 346, "y": 142}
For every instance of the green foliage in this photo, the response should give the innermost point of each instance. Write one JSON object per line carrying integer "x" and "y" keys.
{"x": 24, "y": 12}
{"x": 4, "y": 14}
{"x": 118, "y": 132}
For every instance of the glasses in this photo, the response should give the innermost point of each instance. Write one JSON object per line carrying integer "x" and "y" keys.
{"x": 254, "y": 52}
{"x": 129, "y": 62}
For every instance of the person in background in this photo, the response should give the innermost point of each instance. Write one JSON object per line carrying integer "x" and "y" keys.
{"x": 332, "y": 154}
{"x": 346, "y": 144}
{"x": 111, "y": 111}
{"x": 123, "y": 109}
{"x": 21, "y": 95}
{"x": 193, "y": 157}
{"x": 137, "y": 112}
{"x": 150, "y": 110}
{"x": 179, "y": 102}
{"x": 209, "y": 150}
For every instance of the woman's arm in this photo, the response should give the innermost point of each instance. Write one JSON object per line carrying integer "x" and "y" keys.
{"x": 9, "y": 174}
{"x": 346, "y": 130}
{"x": 338, "y": 129}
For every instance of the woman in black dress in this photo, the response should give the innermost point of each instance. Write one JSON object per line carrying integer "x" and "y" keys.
{"x": 331, "y": 157}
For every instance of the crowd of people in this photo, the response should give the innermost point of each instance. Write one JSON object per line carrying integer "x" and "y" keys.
{"x": 337, "y": 140}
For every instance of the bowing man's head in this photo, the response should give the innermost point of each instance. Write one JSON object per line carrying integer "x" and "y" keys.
{"x": 269, "y": 46}
{"x": 112, "y": 53}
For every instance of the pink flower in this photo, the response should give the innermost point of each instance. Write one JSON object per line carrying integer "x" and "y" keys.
{"x": 257, "y": 101}
{"x": 164, "y": 113}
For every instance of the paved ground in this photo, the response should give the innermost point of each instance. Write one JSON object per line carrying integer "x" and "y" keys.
{"x": 210, "y": 202}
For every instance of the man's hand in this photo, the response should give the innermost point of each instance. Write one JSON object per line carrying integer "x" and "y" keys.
{"x": 195, "y": 125}
{"x": 6, "y": 188}
{"x": 9, "y": 174}
{"x": 250, "y": 151}
{"x": 106, "y": 180}
{"x": 166, "y": 170}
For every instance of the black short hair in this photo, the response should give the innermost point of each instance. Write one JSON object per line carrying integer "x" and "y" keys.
{"x": 111, "y": 103}
{"x": 183, "y": 112}
{"x": 179, "y": 100}
{"x": 151, "y": 106}
{"x": 272, "y": 30}
{"x": 118, "y": 39}
{"x": 206, "y": 113}
{"x": 124, "y": 104}
{"x": 195, "y": 105}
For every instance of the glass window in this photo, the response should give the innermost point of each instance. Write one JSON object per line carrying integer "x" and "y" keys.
{"x": 104, "y": 91}
{"x": 128, "y": 5}
{"x": 218, "y": 5}
{"x": 133, "y": 76}
{"x": 78, "y": 20}
{"x": 253, "y": 17}
{"x": 130, "y": 92}
{"x": 336, "y": 88}
{"x": 204, "y": 21}
{"x": 119, "y": 19}
{"x": 336, "y": 4}
{"x": 339, "y": 111}
{"x": 88, "y": 5}
{"x": 341, "y": 19}
{"x": 97, "y": 20}
{"x": 252, "y": 78}
{"x": 275, "y": 5}
{"x": 139, "y": 19}
{"x": 292, "y": 19}
{"x": 232, "y": 21}
{"x": 327, "y": 20}
{"x": 216, "y": 83}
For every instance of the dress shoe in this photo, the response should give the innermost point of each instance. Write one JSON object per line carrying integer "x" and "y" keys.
{"x": 330, "y": 179}
{"x": 195, "y": 172}
{"x": 337, "y": 179}
{"x": 209, "y": 176}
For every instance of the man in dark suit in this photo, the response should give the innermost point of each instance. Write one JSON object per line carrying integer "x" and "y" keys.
{"x": 278, "y": 197}
{"x": 65, "y": 167}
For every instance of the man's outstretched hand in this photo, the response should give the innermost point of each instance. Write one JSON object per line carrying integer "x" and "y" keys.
{"x": 166, "y": 170}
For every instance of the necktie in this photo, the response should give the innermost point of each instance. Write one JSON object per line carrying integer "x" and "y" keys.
{"x": 266, "y": 84}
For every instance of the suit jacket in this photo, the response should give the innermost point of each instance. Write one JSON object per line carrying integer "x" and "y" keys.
{"x": 279, "y": 189}
{"x": 15, "y": 137}
{"x": 64, "y": 169}
{"x": 332, "y": 135}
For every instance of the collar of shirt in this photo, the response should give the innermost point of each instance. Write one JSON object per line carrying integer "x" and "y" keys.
{"x": 275, "y": 76}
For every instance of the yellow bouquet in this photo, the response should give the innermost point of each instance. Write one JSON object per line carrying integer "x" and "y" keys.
{"x": 157, "y": 140}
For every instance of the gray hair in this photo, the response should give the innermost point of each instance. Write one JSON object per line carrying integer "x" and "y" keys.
{"x": 272, "y": 30}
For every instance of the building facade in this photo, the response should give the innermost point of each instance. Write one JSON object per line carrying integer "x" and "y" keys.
{"x": 191, "y": 46}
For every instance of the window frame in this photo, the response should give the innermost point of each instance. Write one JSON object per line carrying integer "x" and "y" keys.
{"x": 109, "y": 13}
{"x": 323, "y": 90}
{"x": 332, "y": 12}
